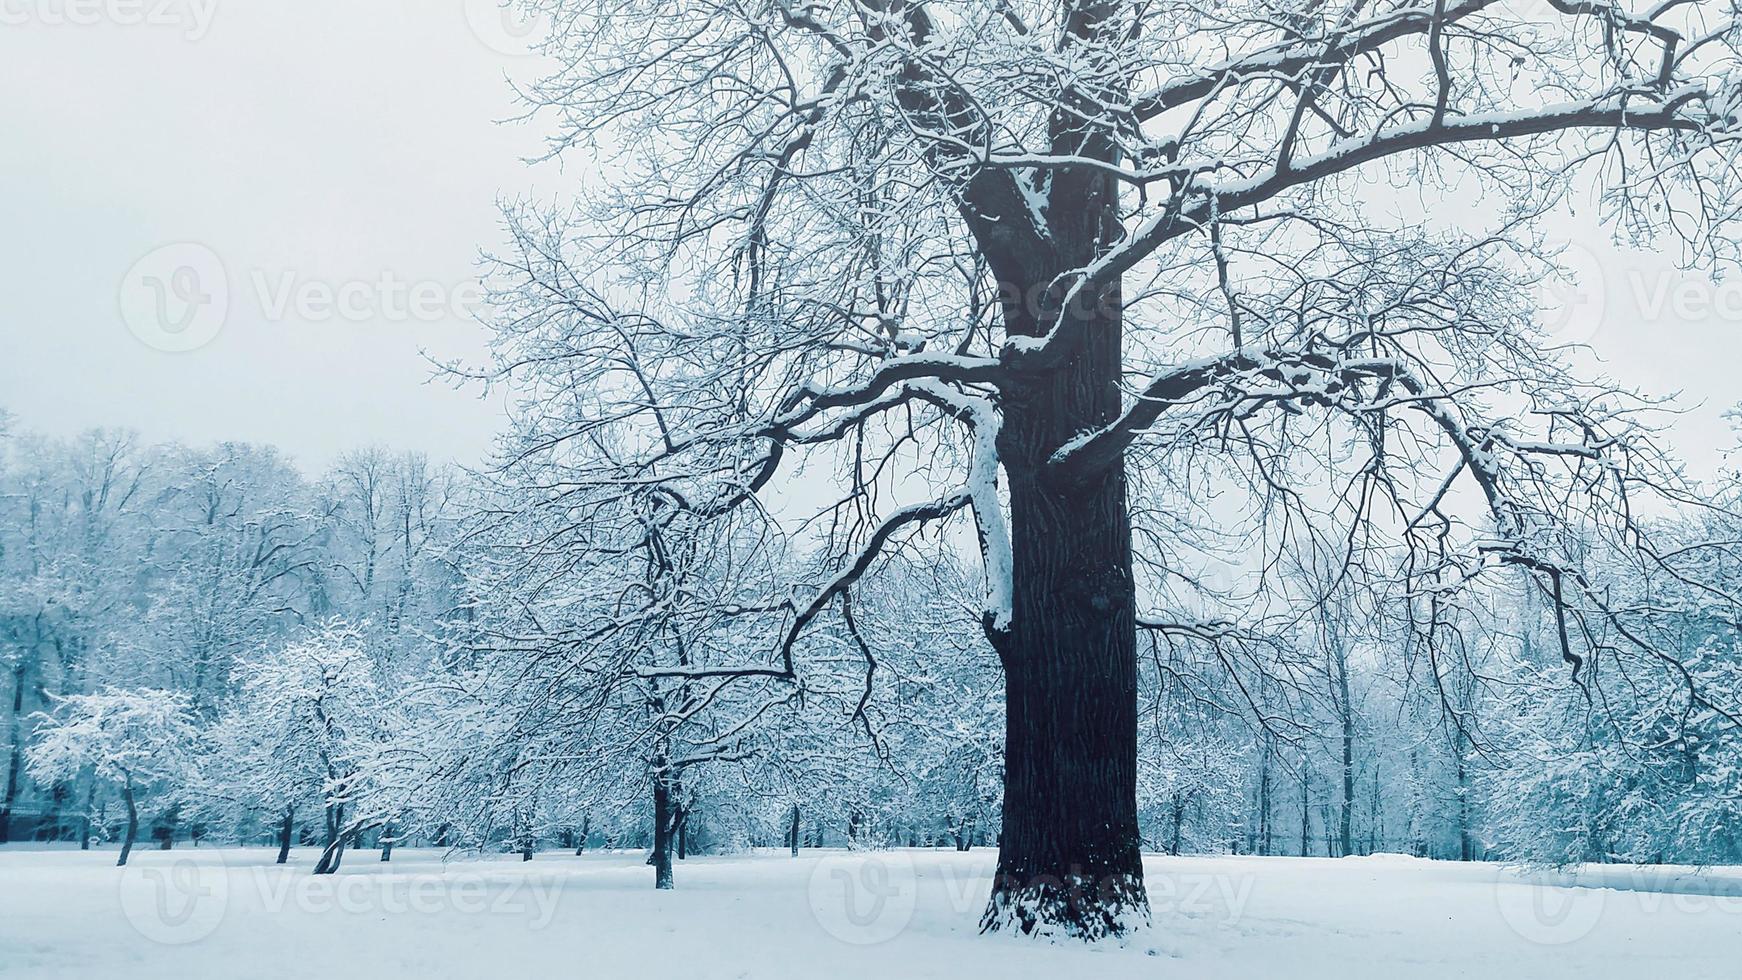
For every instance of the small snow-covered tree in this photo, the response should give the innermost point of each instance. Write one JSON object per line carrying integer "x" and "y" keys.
{"x": 137, "y": 740}
{"x": 305, "y": 728}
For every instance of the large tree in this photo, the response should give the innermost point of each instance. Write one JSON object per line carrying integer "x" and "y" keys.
{"x": 1073, "y": 267}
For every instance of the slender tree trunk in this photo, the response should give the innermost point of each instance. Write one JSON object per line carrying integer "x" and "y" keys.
{"x": 683, "y": 833}
{"x": 166, "y": 827}
{"x": 1306, "y": 808}
{"x": 1346, "y": 710}
{"x": 334, "y": 852}
{"x": 586, "y": 828}
{"x": 387, "y": 841}
{"x": 1466, "y": 849}
{"x": 662, "y": 821}
{"x": 1376, "y": 815}
{"x": 286, "y": 828}
{"x": 331, "y": 857}
{"x": 132, "y": 820}
{"x": 792, "y": 834}
{"x": 15, "y": 756}
{"x": 1266, "y": 843}
{"x": 1179, "y": 819}
{"x": 85, "y": 815}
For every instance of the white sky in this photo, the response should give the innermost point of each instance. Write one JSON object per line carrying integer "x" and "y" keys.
{"x": 301, "y": 141}
{"x": 320, "y": 141}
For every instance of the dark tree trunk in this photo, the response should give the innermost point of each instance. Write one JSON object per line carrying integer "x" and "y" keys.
{"x": 132, "y": 821}
{"x": 15, "y": 757}
{"x": 1179, "y": 819}
{"x": 387, "y": 842}
{"x": 166, "y": 827}
{"x": 85, "y": 815}
{"x": 581, "y": 840}
{"x": 1265, "y": 843}
{"x": 1346, "y": 713}
{"x": 286, "y": 828}
{"x": 334, "y": 851}
{"x": 683, "y": 833}
{"x": 1069, "y": 858}
{"x": 662, "y": 821}
{"x": 1466, "y": 848}
{"x": 792, "y": 832}
{"x": 1375, "y": 816}
{"x": 331, "y": 857}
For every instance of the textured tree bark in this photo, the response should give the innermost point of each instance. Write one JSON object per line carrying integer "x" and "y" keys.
{"x": 792, "y": 833}
{"x": 1069, "y": 860}
{"x": 1069, "y": 857}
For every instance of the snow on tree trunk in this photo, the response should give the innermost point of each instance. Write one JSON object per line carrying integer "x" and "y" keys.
{"x": 1069, "y": 859}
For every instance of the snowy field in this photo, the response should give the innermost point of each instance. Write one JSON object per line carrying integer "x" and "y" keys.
{"x": 208, "y": 912}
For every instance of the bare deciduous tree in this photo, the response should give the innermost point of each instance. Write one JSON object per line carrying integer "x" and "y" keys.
{"x": 1051, "y": 264}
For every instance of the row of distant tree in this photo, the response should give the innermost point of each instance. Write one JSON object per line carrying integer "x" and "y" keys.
{"x": 207, "y": 644}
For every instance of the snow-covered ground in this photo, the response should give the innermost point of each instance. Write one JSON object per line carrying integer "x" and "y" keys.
{"x": 209, "y": 912}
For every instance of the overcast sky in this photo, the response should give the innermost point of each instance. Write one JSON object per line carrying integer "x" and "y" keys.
{"x": 307, "y": 144}
{"x": 287, "y": 148}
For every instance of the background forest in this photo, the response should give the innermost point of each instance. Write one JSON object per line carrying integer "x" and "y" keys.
{"x": 376, "y": 654}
